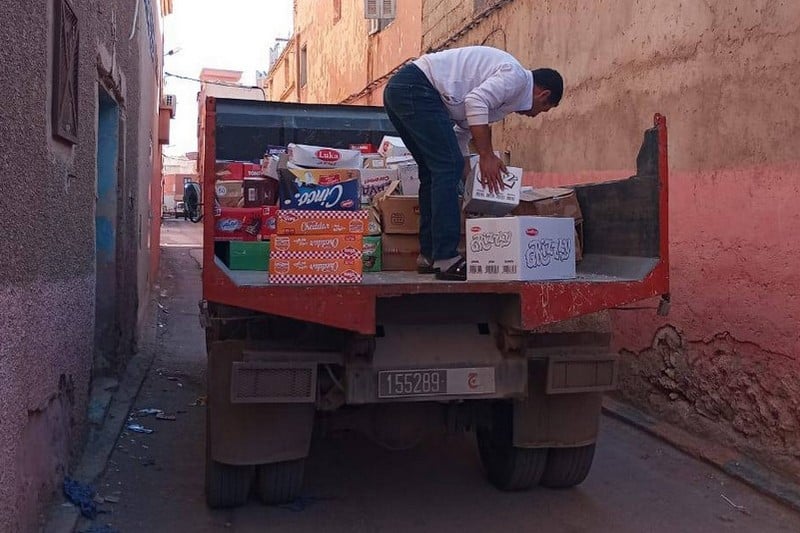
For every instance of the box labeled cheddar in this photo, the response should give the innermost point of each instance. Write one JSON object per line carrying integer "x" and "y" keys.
{"x": 294, "y": 222}
{"x": 315, "y": 270}
{"x": 307, "y": 246}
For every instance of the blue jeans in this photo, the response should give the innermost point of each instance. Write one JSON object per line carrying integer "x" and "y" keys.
{"x": 422, "y": 121}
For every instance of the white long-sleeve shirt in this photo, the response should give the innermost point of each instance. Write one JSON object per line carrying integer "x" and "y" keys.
{"x": 478, "y": 85}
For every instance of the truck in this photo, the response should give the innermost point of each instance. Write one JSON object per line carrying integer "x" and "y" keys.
{"x": 521, "y": 365}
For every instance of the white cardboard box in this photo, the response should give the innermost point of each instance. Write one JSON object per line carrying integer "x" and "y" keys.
{"x": 407, "y": 173}
{"x": 520, "y": 249}
{"x": 321, "y": 157}
{"x": 478, "y": 199}
{"x": 393, "y": 147}
{"x": 375, "y": 181}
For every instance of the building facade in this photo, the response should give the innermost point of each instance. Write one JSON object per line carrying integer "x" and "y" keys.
{"x": 337, "y": 56}
{"x": 81, "y": 156}
{"x": 726, "y": 362}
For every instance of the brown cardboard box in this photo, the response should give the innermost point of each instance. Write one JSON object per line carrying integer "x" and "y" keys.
{"x": 553, "y": 202}
{"x": 400, "y": 251}
{"x": 230, "y": 193}
{"x": 399, "y": 214}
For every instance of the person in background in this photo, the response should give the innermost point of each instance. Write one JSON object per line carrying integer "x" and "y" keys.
{"x": 439, "y": 102}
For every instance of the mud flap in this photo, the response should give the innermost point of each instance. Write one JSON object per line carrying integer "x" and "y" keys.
{"x": 552, "y": 421}
{"x": 251, "y": 433}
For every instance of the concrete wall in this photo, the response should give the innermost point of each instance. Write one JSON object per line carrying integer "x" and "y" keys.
{"x": 47, "y": 275}
{"x": 726, "y": 362}
{"x": 343, "y": 58}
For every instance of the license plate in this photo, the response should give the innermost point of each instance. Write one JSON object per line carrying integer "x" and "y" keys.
{"x": 435, "y": 382}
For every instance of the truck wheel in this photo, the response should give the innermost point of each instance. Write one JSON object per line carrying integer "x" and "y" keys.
{"x": 227, "y": 485}
{"x": 508, "y": 467}
{"x": 280, "y": 482}
{"x": 567, "y": 467}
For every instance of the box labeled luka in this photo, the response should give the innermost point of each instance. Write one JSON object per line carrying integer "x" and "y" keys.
{"x": 520, "y": 249}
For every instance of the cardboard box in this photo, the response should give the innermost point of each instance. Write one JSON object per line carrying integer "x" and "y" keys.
{"x": 374, "y": 161}
{"x": 273, "y": 149}
{"x": 292, "y": 222}
{"x": 315, "y": 271}
{"x": 373, "y": 221}
{"x": 321, "y": 157}
{"x": 393, "y": 147}
{"x": 230, "y": 193}
{"x": 364, "y": 148}
{"x": 407, "y": 173}
{"x": 400, "y": 252}
{"x": 241, "y": 255}
{"x": 553, "y": 202}
{"x": 317, "y": 246}
{"x": 371, "y": 255}
{"x": 269, "y": 221}
{"x": 478, "y": 199}
{"x": 271, "y": 165}
{"x": 320, "y": 190}
{"x": 520, "y": 249}
{"x": 229, "y": 170}
{"x": 251, "y": 170}
{"x": 399, "y": 214}
{"x": 258, "y": 192}
{"x": 237, "y": 224}
{"x": 375, "y": 181}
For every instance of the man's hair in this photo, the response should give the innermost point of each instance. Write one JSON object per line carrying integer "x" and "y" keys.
{"x": 547, "y": 78}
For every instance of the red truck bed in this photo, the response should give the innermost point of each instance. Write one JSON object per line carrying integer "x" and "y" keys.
{"x": 625, "y": 258}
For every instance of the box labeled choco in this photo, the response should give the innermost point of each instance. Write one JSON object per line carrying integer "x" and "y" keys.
{"x": 314, "y": 271}
{"x": 269, "y": 221}
{"x": 321, "y": 157}
{"x": 317, "y": 246}
{"x": 230, "y": 193}
{"x": 520, "y": 249}
{"x": 237, "y": 224}
{"x": 372, "y": 254}
{"x": 320, "y": 190}
{"x": 374, "y": 181}
{"x": 293, "y": 222}
{"x": 479, "y": 199}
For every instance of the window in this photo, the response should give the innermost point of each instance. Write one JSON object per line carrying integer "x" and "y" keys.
{"x": 65, "y": 73}
{"x": 378, "y": 25}
{"x": 337, "y": 10}
{"x": 303, "y": 65}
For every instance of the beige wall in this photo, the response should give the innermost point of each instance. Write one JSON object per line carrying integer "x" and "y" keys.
{"x": 727, "y": 360}
{"x": 343, "y": 58}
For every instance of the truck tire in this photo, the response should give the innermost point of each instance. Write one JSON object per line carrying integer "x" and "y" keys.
{"x": 227, "y": 485}
{"x": 508, "y": 468}
{"x": 567, "y": 467}
{"x": 280, "y": 482}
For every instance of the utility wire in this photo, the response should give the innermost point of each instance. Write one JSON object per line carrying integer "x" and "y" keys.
{"x": 220, "y": 83}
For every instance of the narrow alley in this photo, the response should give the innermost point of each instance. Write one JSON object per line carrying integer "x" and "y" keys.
{"x": 637, "y": 484}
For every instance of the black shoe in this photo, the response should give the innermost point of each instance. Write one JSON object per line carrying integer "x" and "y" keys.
{"x": 425, "y": 265}
{"x": 456, "y": 272}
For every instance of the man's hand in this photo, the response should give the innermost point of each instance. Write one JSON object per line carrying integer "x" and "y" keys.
{"x": 492, "y": 170}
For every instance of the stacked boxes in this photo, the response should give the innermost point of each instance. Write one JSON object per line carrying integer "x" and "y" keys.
{"x": 313, "y": 247}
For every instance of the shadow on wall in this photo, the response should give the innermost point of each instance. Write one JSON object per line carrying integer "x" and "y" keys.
{"x": 731, "y": 391}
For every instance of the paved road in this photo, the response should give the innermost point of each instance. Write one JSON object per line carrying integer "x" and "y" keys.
{"x": 638, "y": 484}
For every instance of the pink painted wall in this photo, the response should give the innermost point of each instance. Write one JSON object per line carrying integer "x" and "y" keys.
{"x": 726, "y": 362}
